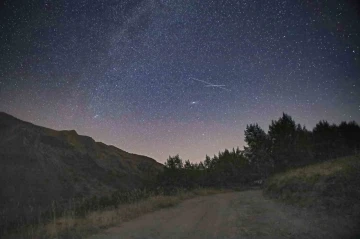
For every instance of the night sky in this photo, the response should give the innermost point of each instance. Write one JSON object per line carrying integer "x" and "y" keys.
{"x": 162, "y": 77}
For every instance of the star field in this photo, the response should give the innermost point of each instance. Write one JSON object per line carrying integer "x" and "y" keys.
{"x": 123, "y": 72}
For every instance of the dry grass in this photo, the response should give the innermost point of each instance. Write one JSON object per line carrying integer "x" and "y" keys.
{"x": 321, "y": 169}
{"x": 79, "y": 227}
{"x": 331, "y": 185}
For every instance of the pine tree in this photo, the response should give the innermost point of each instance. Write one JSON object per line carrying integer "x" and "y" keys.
{"x": 282, "y": 134}
{"x": 257, "y": 151}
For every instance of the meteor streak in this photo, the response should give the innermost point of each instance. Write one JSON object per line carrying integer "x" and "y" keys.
{"x": 208, "y": 84}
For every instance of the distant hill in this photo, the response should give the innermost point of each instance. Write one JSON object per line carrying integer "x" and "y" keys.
{"x": 39, "y": 165}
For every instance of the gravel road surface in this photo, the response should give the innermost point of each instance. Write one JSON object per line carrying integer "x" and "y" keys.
{"x": 232, "y": 215}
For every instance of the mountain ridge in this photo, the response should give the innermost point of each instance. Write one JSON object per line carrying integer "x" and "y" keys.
{"x": 65, "y": 132}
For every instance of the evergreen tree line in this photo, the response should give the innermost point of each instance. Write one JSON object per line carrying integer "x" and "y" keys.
{"x": 285, "y": 145}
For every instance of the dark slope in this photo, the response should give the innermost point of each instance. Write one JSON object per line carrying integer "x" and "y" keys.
{"x": 39, "y": 165}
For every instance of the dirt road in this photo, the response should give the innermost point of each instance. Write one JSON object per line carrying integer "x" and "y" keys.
{"x": 232, "y": 215}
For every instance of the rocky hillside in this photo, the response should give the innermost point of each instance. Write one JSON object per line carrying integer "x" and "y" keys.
{"x": 40, "y": 165}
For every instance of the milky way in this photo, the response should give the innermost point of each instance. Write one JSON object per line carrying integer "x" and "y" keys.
{"x": 121, "y": 71}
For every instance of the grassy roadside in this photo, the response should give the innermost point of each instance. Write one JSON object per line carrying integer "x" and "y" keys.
{"x": 333, "y": 186}
{"x": 72, "y": 226}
